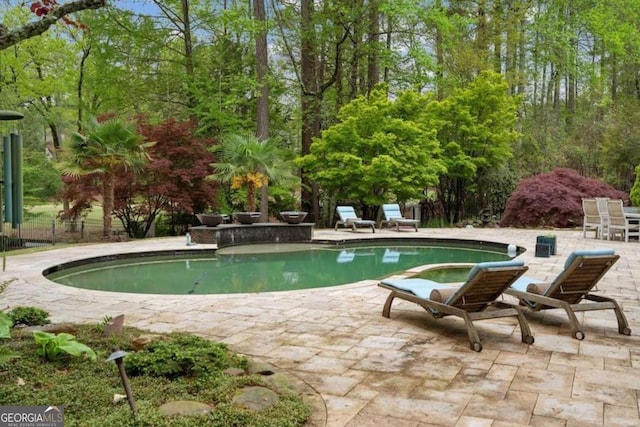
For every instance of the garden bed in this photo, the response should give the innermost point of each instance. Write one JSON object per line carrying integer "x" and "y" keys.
{"x": 164, "y": 370}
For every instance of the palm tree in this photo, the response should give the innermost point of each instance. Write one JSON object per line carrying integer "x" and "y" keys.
{"x": 106, "y": 148}
{"x": 247, "y": 162}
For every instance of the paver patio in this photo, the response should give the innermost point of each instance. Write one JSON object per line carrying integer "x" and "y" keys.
{"x": 410, "y": 370}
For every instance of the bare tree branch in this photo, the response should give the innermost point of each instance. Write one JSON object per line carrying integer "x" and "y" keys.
{"x": 32, "y": 29}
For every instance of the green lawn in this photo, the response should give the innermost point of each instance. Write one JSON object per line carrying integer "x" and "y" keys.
{"x": 53, "y": 209}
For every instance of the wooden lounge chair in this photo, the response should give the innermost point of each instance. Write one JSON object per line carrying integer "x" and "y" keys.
{"x": 348, "y": 218}
{"x": 393, "y": 217}
{"x": 582, "y": 271}
{"x": 474, "y": 300}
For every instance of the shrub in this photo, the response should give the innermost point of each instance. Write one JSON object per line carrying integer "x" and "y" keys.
{"x": 29, "y": 316}
{"x": 553, "y": 199}
{"x": 634, "y": 195}
{"x": 180, "y": 356}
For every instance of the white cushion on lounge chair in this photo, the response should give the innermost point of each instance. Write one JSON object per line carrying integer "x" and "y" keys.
{"x": 419, "y": 287}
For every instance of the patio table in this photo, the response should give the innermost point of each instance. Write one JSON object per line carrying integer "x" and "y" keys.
{"x": 633, "y": 215}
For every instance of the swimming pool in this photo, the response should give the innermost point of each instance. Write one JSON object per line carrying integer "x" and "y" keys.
{"x": 262, "y": 268}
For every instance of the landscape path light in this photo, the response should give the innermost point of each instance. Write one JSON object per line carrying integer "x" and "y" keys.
{"x": 117, "y": 356}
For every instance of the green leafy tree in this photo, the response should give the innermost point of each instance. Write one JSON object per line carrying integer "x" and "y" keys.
{"x": 378, "y": 152}
{"x": 106, "y": 148}
{"x": 248, "y": 163}
{"x": 38, "y": 75}
{"x": 42, "y": 182}
{"x": 476, "y": 129}
{"x": 621, "y": 145}
{"x": 124, "y": 66}
{"x": 634, "y": 195}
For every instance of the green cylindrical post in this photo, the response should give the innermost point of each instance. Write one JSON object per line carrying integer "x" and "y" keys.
{"x": 16, "y": 175}
{"x": 8, "y": 198}
{"x": 8, "y": 181}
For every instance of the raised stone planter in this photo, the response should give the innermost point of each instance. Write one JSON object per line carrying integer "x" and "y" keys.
{"x": 239, "y": 234}
{"x": 247, "y": 217}
{"x": 293, "y": 217}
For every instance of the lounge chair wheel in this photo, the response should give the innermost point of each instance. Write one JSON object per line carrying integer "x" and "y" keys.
{"x": 579, "y": 335}
{"x": 476, "y": 346}
{"x": 626, "y": 331}
{"x": 529, "y": 339}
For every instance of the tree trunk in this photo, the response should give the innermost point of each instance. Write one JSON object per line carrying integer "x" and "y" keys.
{"x": 251, "y": 198}
{"x": 511, "y": 47}
{"x": 497, "y": 37}
{"x": 439, "y": 57}
{"x": 262, "y": 67}
{"x": 309, "y": 93}
{"x": 86, "y": 51}
{"x": 482, "y": 40}
{"x": 188, "y": 57}
{"x": 572, "y": 70}
{"x": 373, "y": 71}
{"x": 55, "y": 136}
{"x": 107, "y": 204}
{"x": 354, "y": 82}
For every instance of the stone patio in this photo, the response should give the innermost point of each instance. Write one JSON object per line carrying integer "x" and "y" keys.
{"x": 407, "y": 371}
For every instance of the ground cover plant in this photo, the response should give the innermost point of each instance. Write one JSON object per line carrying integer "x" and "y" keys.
{"x": 29, "y": 316}
{"x": 171, "y": 368}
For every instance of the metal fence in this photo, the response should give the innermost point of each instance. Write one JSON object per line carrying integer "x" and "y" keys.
{"x": 44, "y": 231}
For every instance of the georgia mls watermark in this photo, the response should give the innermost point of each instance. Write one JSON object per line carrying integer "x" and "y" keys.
{"x": 31, "y": 416}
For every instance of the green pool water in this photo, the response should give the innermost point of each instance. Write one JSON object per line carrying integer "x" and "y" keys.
{"x": 261, "y": 268}
{"x": 446, "y": 275}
